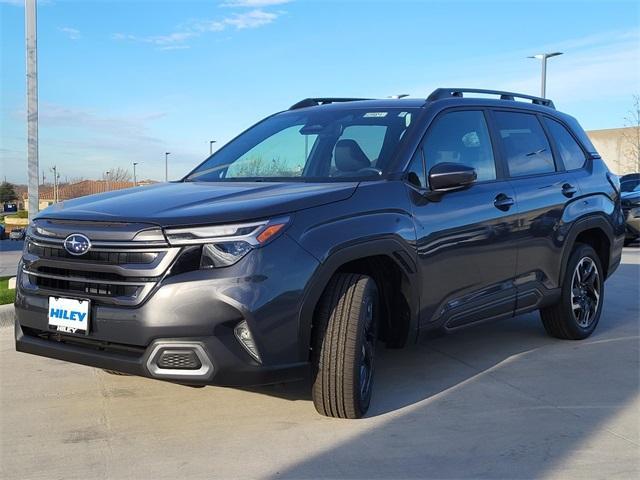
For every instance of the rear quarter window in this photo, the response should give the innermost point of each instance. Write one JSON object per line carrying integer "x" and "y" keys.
{"x": 572, "y": 155}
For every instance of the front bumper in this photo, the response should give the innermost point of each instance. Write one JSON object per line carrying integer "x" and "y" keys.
{"x": 199, "y": 308}
{"x": 228, "y": 368}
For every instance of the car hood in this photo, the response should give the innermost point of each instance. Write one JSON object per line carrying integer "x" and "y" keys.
{"x": 197, "y": 203}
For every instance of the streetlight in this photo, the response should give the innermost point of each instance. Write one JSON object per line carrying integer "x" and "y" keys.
{"x": 107, "y": 178}
{"x": 135, "y": 183}
{"x": 211, "y": 142}
{"x": 543, "y": 57}
{"x": 166, "y": 166}
{"x": 56, "y": 176}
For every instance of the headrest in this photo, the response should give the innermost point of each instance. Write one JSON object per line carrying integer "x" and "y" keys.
{"x": 349, "y": 157}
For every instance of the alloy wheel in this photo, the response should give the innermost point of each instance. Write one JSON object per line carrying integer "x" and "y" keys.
{"x": 585, "y": 292}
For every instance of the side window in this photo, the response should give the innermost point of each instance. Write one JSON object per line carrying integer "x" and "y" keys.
{"x": 416, "y": 174}
{"x": 572, "y": 155}
{"x": 524, "y": 143}
{"x": 461, "y": 137}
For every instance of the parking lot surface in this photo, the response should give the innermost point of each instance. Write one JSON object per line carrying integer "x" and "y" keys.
{"x": 502, "y": 400}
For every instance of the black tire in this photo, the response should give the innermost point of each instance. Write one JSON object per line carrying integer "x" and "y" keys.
{"x": 345, "y": 332}
{"x": 563, "y": 320}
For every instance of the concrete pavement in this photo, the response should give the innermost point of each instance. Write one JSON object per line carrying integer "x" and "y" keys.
{"x": 502, "y": 400}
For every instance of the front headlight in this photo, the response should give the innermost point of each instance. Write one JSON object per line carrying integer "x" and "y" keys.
{"x": 224, "y": 245}
{"x": 223, "y": 254}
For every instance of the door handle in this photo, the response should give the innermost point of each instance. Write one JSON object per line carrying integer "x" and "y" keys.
{"x": 503, "y": 202}
{"x": 569, "y": 190}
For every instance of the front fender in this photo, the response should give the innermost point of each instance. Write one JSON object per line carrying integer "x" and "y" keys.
{"x": 375, "y": 221}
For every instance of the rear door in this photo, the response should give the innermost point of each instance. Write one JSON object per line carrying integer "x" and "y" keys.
{"x": 464, "y": 238}
{"x": 544, "y": 189}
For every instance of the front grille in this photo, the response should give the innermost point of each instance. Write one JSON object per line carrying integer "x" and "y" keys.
{"x": 118, "y": 271}
{"x": 111, "y": 258}
{"x": 89, "y": 288}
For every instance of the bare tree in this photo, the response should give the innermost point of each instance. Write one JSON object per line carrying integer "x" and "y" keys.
{"x": 117, "y": 174}
{"x": 632, "y": 136}
{"x": 75, "y": 180}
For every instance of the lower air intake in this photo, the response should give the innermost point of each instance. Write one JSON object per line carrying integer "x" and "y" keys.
{"x": 178, "y": 360}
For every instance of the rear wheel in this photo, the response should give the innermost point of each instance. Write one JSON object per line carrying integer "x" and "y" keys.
{"x": 345, "y": 332}
{"x": 577, "y": 313}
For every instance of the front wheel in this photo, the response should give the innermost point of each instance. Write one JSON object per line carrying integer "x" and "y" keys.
{"x": 345, "y": 332}
{"x": 577, "y": 313}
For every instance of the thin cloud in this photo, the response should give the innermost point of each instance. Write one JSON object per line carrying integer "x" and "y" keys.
{"x": 72, "y": 33}
{"x": 253, "y": 3}
{"x": 252, "y": 19}
{"x": 176, "y": 40}
{"x": 132, "y": 128}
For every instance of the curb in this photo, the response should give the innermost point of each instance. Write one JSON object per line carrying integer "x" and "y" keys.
{"x": 6, "y": 315}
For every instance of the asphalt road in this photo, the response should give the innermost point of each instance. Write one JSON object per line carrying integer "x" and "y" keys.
{"x": 501, "y": 400}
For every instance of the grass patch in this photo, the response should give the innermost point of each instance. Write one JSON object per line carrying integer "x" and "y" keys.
{"x": 6, "y": 295}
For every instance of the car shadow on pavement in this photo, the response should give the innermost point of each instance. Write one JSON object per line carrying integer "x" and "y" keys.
{"x": 501, "y": 400}
{"x": 434, "y": 365}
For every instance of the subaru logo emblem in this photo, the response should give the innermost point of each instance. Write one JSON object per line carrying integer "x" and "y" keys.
{"x": 77, "y": 244}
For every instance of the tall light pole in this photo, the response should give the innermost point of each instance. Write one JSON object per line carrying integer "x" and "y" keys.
{"x": 32, "y": 104}
{"x": 211, "y": 142}
{"x": 135, "y": 183}
{"x": 56, "y": 175}
{"x": 107, "y": 178}
{"x": 543, "y": 57}
{"x": 166, "y": 166}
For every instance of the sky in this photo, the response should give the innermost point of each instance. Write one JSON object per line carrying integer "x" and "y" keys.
{"x": 127, "y": 81}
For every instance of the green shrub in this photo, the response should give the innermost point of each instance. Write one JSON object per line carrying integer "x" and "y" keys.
{"x": 6, "y": 295}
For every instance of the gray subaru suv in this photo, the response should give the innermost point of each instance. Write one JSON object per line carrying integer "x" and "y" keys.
{"x": 323, "y": 232}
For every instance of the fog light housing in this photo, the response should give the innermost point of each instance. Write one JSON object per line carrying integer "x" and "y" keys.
{"x": 243, "y": 334}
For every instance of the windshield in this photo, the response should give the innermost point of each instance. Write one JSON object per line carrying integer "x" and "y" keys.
{"x": 316, "y": 144}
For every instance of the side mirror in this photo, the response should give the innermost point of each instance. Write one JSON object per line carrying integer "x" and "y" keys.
{"x": 447, "y": 176}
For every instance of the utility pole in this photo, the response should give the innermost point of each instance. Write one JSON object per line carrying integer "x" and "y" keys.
{"x": 135, "y": 182}
{"x": 211, "y": 142}
{"x": 543, "y": 80}
{"x": 166, "y": 166}
{"x": 54, "y": 169}
{"x": 32, "y": 104}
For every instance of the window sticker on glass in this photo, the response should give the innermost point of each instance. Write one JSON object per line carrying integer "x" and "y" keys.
{"x": 375, "y": 114}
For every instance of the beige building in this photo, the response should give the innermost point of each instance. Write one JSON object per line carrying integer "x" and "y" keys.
{"x": 616, "y": 146}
